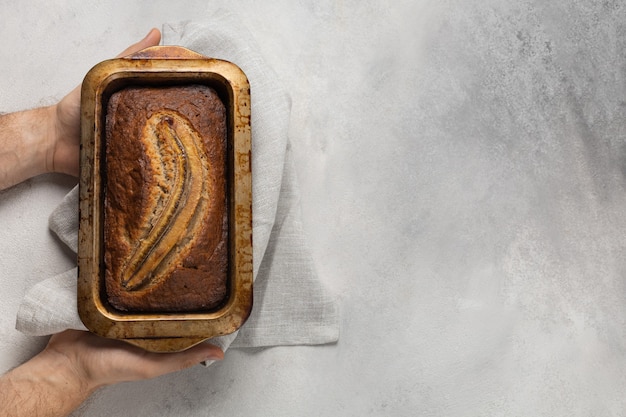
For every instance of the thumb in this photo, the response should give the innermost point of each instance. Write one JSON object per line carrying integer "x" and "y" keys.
{"x": 152, "y": 39}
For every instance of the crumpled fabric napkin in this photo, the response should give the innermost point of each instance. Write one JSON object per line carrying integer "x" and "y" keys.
{"x": 291, "y": 306}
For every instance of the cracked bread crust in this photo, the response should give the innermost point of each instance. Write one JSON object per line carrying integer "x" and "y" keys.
{"x": 166, "y": 217}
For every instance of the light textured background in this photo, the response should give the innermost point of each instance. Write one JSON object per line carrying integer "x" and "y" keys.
{"x": 463, "y": 168}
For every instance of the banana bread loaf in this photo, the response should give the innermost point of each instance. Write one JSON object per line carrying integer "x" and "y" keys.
{"x": 165, "y": 199}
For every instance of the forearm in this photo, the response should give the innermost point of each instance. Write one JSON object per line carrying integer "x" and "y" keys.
{"x": 47, "y": 385}
{"x": 26, "y": 145}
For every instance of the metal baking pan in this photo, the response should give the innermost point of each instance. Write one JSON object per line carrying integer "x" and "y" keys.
{"x": 164, "y": 332}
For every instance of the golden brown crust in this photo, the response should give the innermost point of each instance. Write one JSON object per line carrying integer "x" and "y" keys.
{"x": 166, "y": 225}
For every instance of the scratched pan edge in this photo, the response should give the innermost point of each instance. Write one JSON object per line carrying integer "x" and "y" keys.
{"x": 164, "y": 332}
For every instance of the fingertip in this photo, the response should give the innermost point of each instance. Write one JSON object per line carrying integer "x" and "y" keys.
{"x": 153, "y": 36}
{"x": 212, "y": 353}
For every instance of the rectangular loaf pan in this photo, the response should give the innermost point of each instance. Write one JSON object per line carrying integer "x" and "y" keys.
{"x": 164, "y": 66}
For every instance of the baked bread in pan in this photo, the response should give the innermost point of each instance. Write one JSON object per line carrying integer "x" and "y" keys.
{"x": 165, "y": 199}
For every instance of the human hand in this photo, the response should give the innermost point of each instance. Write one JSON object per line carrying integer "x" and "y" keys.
{"x": 47, "y": 139}
{"x": 97, "y": 362}
{"x": 65, "y": 118}
{"x": 74, "y": 364}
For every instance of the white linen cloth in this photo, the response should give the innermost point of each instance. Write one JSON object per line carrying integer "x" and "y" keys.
{"x": 290, "y": 304}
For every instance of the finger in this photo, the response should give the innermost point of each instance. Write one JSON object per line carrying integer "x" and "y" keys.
{"x": 152, "y": 39}
{"x": 157, "y": 364}
{"x": 205, "y": 352}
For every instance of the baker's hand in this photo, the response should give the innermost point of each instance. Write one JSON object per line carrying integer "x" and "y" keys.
{"x": 74, "y": 364}
{"x": 66, "y": 118}
{"x": 47, "y": 139}
{"x": 99, "y": 362}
